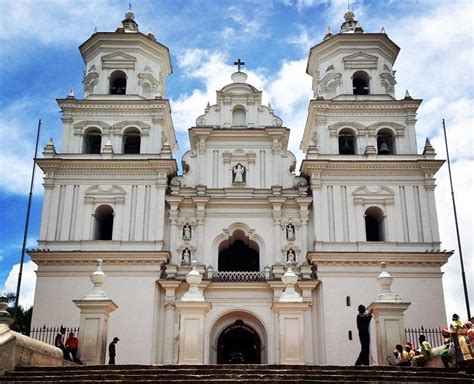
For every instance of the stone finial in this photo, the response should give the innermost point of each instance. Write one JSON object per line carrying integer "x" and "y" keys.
{"x": 193, "y": 278}
{"x": 407, "y": 95}
{"x": 428, "y": 150}
{"x": 95, "y": 30}
{"x": 150, "y": 34}
{"x": 385, "y": 281}
{"x": 98, "y": 279}
{"x": 289, "y": 295}
{"x": 5, "y": 318}
{"x": 383, "y": 31}
{"x": 70, "y": 95}
{"x": 49, "y": 149}
{"x": 328, "y": 33}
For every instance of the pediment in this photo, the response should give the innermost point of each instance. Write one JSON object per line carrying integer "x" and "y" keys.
{"x": 373, "y": 194}
{"x": 118, "y": 60}
{"x": 105, "y": 190}
{"x": 360, "y": 60}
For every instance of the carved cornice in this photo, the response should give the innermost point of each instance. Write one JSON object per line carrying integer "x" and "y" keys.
{"x": 113, "y": 166}
{"x": 435, "y": 258}
{"x": 399, "y": 165}
{"x": 46, "y": 257}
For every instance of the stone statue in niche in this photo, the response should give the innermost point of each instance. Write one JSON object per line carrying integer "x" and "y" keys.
{"x": 186, "y": 256}
{"x": 187, "y": 234}
{"x": 239, "y": 173}
{"x": 290, "y": 232}
{"x": 290, "y": 256}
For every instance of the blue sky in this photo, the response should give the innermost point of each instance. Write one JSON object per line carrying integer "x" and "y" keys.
{"x": 40, "y": 62}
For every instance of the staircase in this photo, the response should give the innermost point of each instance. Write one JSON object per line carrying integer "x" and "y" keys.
{"x": 190, "y": 374}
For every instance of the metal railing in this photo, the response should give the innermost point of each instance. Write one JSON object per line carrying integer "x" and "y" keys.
{"x": 238, "y": 276}
{"x": 48, "y": 334}
{"x": 433, "y": 336}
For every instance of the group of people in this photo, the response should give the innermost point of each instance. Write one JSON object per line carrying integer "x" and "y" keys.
{"x": 458, "y": 344}
{"x": 68, "y": 346}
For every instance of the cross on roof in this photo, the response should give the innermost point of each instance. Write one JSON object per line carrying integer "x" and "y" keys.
{"x": 239, "y": 64}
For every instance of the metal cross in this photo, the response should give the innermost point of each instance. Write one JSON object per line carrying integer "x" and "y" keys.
{"x": 239, "y": 64}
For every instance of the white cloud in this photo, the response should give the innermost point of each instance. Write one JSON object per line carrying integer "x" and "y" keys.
{"x": 28, "y": 283}
{"x": 17, "y": 140}
{"x": 50, "y": 22}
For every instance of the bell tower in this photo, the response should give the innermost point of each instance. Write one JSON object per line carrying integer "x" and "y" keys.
{"x": 105, "y": 189}
{"x": 372, "y": 191}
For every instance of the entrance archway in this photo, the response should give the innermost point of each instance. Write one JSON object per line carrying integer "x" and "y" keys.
{"x": 238, "y": 344}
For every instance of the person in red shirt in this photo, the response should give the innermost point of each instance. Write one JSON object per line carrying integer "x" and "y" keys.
{"x": 71, "y": 345}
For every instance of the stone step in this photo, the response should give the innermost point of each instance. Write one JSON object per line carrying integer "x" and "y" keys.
{"x": 235, "y": 374}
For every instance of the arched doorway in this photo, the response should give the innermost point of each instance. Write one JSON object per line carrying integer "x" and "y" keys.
{"x": 238, "y": 344}
{"x": 238, "y": 254}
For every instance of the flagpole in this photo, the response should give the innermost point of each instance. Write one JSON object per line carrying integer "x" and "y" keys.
{"x": 466, "y": 296}
{"x": 25, "y": 232}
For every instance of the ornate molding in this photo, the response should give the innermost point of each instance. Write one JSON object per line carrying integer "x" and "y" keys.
{"x": 435, "y": 258}
{"x": 46, "y": 257}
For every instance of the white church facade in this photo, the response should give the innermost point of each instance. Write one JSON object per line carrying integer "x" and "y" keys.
{"x": 362, "y": 196}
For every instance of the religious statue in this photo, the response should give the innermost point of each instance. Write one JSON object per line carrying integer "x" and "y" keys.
{"x": 186, "y": 256}
{"x": 239, "y": 173}
{"x": 290, "y": 256}
{"x": 187, "y": 232}
{"x": 290, "y": 232}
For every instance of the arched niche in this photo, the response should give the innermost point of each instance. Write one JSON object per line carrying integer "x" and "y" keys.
{"x": 239, "y": 116}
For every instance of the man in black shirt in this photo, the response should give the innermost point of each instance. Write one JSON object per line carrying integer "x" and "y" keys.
{"x": 112, "y": 350}
{"x": 363, "y": 323}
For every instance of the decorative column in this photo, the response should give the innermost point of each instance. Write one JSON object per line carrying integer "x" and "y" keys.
{"x": 200, "y": 202}
{"x": 174, "y": 203}
{"x": 192, "y": 309}
{"x": 170, "y": 287}
{"x": 276, "y": 201}
{"x": 290, "y": 308}
{"x": 388, "y": 312}
{"x": 95, "y": 309}
{"x": 303, "y": 202}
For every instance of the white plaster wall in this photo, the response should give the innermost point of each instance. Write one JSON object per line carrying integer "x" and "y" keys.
{"x": 420, "y": 286}
{"x": 132, "y": 288}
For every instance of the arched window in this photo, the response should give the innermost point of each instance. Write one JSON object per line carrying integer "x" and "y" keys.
{"x": 118, "y": 83}
{"x": 374, "y": 224}
{"x": 239, "y": 117}
{"x": 104, "y": 223}
{"x": 346, "y": 142}
{"x": 385, "y": 142}
{"x": 92, "y": 141}
{"x": 348, "y": 301}
{"x": 360, "y": 83}
{"x": 131, "y": 141}
{"x": 238, "y": 254}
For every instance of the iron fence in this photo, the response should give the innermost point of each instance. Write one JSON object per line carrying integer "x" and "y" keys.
{"x": 433, "y": 336}
{"x": 48, "y": 334}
